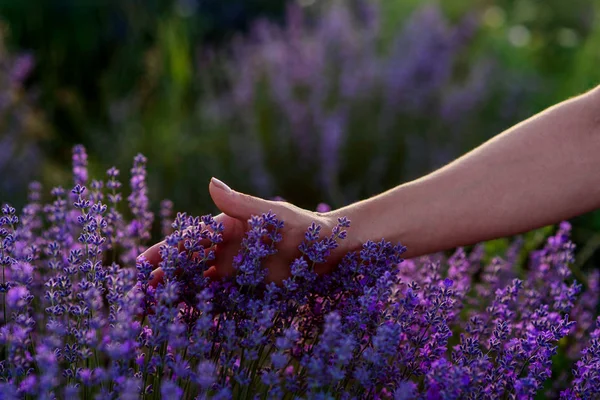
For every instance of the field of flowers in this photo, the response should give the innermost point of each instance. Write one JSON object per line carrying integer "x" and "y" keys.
{"x": 319, "y": 101}
{"x": 80, "y": 318}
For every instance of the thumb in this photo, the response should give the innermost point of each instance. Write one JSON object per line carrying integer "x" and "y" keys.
{"x": 238, "y": 205}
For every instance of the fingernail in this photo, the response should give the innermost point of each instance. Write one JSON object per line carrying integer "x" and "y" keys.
{"x": 220, "y": 185}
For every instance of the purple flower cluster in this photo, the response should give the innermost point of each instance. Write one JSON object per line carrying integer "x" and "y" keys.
{"x": 80, "y": 318}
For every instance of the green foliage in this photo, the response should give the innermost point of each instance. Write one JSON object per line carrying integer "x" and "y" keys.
{"x": 22, "y": 125}
{"x": 129, "y": 76}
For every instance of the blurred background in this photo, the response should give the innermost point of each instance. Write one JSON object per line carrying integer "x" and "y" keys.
{"x": 312, "y": 100}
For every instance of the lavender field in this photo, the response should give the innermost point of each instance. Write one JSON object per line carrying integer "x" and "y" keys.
{"x": 106, "y": 145}
{"x": 80, "y": 318}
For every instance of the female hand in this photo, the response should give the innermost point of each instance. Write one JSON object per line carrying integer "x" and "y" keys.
{"x": 236, "y": 209}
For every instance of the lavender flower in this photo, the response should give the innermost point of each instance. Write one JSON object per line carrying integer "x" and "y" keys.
{"x": 80, "y": 172}
{"x": 138, "y": 230}
{"x": 18, "y": 297}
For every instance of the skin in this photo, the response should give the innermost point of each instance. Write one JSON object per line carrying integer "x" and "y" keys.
{"x": 541, "y": 171}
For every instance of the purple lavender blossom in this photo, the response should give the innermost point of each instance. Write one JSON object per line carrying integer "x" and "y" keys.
{"x": 22, "y": 67}
{"x": 166, "y": 213}
{"x": 18, "y": 297}
{"x": 138, "y": 229}
{"x": 80, "y": 172}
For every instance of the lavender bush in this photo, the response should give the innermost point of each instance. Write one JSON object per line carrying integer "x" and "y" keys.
{"x": 327, "y": 90}
{"x": 79, "y": 317}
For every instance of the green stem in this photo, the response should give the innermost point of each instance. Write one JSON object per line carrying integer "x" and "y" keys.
{"x": 146, "y": 363}
{"x": 185, "y": 388}
{"x": 4, "y": 281}
{"x": 5, "y": 320}
{"x": 235, "y": 383}
{"x": 113, "y": 237}
{"x": 215, "y": 337}
{"x": 183, "y": 358}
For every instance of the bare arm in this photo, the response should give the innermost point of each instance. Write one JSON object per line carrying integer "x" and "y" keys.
{"x": 541, "y": 171}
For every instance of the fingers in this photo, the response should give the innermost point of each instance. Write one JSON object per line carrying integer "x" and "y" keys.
{"x": 152, "y": 254}
{"x": 277, "y": 270}
{"x": 157, "y": 277}
{"x": 158, "y": 273}
{"x": 242, "y": 206}
{"x": 234, "y": 205}
{"x": 212, "y": 273}
{"x": 223, "y": 262}
{"x": 236, "y": 209}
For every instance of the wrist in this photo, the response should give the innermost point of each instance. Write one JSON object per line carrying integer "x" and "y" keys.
{"x": 389, "y": 216}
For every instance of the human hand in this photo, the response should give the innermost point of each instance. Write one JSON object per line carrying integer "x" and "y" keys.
{"x": 236, "y": 209}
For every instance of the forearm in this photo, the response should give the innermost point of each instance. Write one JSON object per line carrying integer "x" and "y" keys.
{"x": 539, "y": 172}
